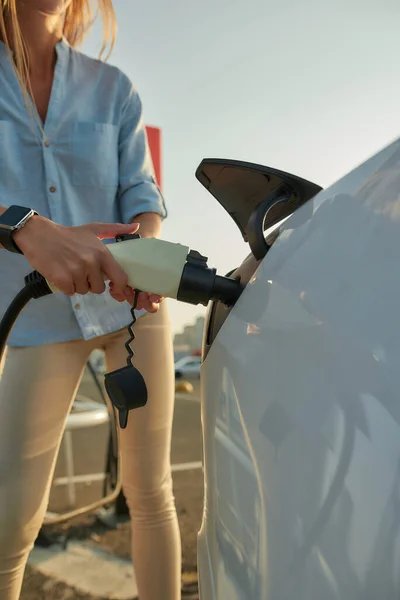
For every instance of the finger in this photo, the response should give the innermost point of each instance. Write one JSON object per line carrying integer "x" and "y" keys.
{"x": 96, "y": 282}
{"x": 114, "y": 272}
{"x": 129, "y": 295}
{"x": 64, "y": 284}
{"x": 73, "y": 291}
{"x": 117, "y": 296}
{"x": 81, "y": 284}
{"x": 111, "y": 230}
{"x": 155, "y": 298}
{"x": 140, "y": 300}
{"x": 146, "y": 304}
{"x": 153, "y": 307}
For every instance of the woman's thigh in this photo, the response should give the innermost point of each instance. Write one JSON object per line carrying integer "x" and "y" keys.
{"x": 37, "y": 386}
{"x": 145, "y": 443}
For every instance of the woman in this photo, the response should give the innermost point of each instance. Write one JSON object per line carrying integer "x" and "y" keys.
{"x": 73, "y": 148}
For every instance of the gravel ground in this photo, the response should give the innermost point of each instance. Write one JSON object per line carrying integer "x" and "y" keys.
{"x": 189, "y": 499}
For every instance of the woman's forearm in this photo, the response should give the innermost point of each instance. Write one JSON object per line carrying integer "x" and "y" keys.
{"x": 150, "y": 224}
{"x": 72, "y": 259}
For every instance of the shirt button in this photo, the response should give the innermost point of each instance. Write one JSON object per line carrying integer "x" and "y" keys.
{"x": 77, "y": 306}
{"x": 52, "y": 189}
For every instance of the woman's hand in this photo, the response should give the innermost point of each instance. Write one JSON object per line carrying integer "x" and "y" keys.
{"x": 73, "y": 259}
{"x": 146, "y": 301}
{"x": 150, "y": 226}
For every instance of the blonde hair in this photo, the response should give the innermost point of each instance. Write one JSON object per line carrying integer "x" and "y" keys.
{"x": 79, "y": 18}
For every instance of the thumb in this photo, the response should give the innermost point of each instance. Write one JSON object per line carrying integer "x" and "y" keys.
{"x": 111, "y": 230}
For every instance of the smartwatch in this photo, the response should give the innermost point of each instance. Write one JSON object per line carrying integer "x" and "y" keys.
{"x": 11, "y": 221}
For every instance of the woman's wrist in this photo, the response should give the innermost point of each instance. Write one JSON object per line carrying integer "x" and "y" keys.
{"x": 23, "y": 236}
{"x": 150, "y": 224}
{"x": 13, "y": 220}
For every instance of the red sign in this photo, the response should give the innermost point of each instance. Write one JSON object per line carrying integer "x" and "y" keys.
{"x": 154, "y": 137}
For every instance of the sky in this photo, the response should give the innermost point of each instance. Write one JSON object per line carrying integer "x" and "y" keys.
{"x": 309, "y": 87}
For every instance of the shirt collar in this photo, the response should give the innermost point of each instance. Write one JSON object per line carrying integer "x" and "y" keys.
{"x": 3, "y": 51}
{"x": 61, "y": 48}
{"x": 63, "y": 45}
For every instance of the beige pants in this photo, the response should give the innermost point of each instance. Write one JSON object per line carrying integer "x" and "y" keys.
{"x": 37, "y": 387}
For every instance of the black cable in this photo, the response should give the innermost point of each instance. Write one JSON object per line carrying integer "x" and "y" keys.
{"x": 35, "y": 287}
{"x": 129, "y": 350}
{"x": 11, "y": 315}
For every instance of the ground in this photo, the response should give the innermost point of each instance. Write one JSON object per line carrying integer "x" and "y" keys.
{"x": 188, "y": 488}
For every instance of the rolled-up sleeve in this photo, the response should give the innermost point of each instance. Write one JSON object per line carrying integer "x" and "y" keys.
{"x": 138, "y": 191}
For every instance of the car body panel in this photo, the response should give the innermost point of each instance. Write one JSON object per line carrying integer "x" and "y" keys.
{"x": 301, "y": 408}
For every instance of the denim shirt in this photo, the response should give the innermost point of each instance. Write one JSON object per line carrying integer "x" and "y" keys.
{"x": 93, "y": 164}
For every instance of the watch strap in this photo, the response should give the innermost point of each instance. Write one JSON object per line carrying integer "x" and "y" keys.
{"x": 7, "y": 235}
{"x": 8, "y": 242}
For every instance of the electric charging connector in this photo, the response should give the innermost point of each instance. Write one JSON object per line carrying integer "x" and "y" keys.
{"x": 152, "y": 265}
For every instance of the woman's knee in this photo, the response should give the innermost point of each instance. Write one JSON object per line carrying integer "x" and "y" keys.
{"x": 18, "y": 527}
{"x": 24, "y": 493}
{"x": 151, "y": 503}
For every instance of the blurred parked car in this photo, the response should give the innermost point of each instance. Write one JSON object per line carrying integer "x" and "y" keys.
{"x": 189, "y": 367}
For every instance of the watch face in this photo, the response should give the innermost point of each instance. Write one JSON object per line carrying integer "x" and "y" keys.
{"x": 13, "y": 216}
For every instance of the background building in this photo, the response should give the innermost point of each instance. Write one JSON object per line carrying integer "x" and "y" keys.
{"x": 189, "y": 340}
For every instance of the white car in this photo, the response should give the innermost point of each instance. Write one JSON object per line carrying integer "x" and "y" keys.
{"x": 301, "y": 391}
{"x": 188, "y": 366}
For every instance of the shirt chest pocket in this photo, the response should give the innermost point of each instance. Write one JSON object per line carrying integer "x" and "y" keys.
{"x": 95, "y": 155}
